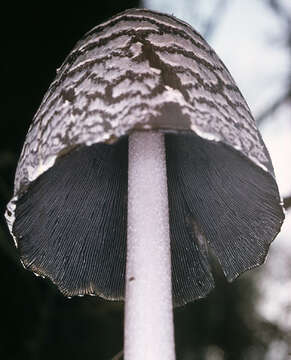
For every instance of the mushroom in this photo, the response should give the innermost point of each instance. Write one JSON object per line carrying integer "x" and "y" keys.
{"x": 143, "y": 138}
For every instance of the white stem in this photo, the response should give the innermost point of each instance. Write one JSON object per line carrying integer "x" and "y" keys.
{"x": 149, "y": 330}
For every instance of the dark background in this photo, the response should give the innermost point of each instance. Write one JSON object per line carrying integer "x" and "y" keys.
{"x": 36, "y": 321}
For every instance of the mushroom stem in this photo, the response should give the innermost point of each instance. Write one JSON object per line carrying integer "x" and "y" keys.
{"x": 149, "y": 330}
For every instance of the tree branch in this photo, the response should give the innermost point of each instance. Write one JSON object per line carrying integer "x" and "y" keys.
{"x": 270, "y": 110}
{"x": 214, "y": 20}
{"x": 280, "y": 10}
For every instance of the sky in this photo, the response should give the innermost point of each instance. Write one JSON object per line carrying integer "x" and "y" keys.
{"x": 249, "y": 38}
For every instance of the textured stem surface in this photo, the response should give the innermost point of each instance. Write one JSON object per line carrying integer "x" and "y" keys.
{"x": 149, "y": 333}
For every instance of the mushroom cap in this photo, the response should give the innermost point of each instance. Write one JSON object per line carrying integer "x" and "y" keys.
{"x": 142, "y": 70}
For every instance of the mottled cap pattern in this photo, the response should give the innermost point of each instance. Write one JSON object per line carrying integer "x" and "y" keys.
{"x": 138, "y": 71}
